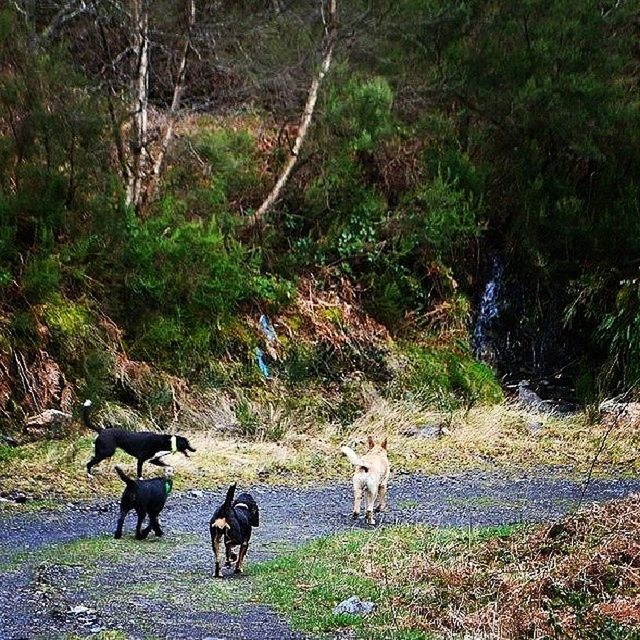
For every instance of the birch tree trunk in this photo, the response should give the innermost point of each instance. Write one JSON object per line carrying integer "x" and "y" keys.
{"x": 175, "y": 104}
{"x": 139, "y": 151}
{"x": 307, "y": 115}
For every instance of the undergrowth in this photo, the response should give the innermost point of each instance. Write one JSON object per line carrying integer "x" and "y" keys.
{"x": 572, "y": 579}
{"x": 288, "y": 440}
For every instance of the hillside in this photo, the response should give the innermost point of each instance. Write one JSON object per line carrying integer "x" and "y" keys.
{"x": 479, "y": 154}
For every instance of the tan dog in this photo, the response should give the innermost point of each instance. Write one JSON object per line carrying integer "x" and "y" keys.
{"x": 371, "y": 475}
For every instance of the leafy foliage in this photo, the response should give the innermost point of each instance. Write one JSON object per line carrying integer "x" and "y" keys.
{"x": 452, "y": 132}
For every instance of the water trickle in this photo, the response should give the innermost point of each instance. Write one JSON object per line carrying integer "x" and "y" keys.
{"x": 488, "y": 312}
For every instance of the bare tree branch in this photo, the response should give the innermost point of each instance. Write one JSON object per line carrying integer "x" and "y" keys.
{"x": 139, "y": 150}
{"x": 307, "y": 115}
{"x": 175, "y": 102}
{"x": 68, "y": 12}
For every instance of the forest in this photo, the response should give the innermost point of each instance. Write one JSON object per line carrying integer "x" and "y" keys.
{"x": 279, "y": 225}
{"x": 446, "y": 136}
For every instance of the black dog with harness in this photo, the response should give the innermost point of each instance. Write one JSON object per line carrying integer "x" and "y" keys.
{"x": 233, "y": 522}
{"x": 147, "y": 497}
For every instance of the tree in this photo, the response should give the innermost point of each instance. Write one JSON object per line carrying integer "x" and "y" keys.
{"x": 330, "y": 34}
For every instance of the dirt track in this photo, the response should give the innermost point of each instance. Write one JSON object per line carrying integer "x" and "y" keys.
{"x": 164, "y": 589}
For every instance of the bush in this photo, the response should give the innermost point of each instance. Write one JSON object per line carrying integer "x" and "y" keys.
{"x": 71, "y": 326}
{"x": 233, "y": 159}
{"x": 41, "y": 278}
{"x": 437, "y": 372}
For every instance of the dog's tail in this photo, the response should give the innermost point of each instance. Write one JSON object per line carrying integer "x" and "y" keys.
{"x": 228, "y": 501}
{"x": 354, "y": 458}
{"x": 130, "y": 482}
{"x": 86, "y": 417}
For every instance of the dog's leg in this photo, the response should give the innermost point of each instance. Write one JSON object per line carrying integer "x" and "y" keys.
{"x": 93, "y": 462}
{"x": 216, "y": 543}
{"x": 158, "y": 462}
{"x": 140, "y": 534}
{"x": 118, "y": 533}
{"x": 370, "y": 496}
{"x": 357, "y": 497}
{"x": 382, "y": 497}
{"x": 231, "y": 556}
{"x": 153, "y": 524}
{"x": 241, "y": 555}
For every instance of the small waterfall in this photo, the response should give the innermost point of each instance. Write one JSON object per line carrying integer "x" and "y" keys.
{"x": 488, "y": 312}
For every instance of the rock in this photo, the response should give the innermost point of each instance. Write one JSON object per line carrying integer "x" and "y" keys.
{"x": 355, "y": 607}
{"x": 529, "y": 399}
{"x": 431, "y": 431}
{"x": 527, "y": 396}
{"x": 49, "y": 418}
{"x": 77, "y": 610}
{"x": 196, "y": 493}
{"x": 535, "y": 427}
{"x": 621, "y": 411}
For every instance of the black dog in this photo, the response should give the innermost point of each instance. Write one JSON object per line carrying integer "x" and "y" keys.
{"x": 147, "y": 497}
{"x": 233, "y": 521}
{"x": 142, "y": 445}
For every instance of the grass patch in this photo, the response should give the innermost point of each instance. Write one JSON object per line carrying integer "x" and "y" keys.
{"x": 307, "y": 448}
{"x": 95, "y": 553}
{"x": 309, "y": 582}
{"x": 184, "y": 588}
{"x": 576, "y": 578}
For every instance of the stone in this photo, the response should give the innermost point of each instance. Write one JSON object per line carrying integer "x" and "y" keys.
{"x": 355, "y": 607}
{"x": 431, "y": 431}
{"x": 535, "y": 427}
{"x": 49, "y": 418}
{"x": 77, "y": 610}
{"x": 620, "y": 411}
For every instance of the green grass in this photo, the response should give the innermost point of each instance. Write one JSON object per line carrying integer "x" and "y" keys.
{"x": 99, "y": 551}
{"x": 308, "y": 583}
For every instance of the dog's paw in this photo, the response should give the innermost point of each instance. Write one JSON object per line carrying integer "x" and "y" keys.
{"x": 239, "y": 570}
{"x": 117, "y": 535}
{"x": 355, "y": 515}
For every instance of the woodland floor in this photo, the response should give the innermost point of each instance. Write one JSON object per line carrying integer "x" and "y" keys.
{"x": 62, "y": 575}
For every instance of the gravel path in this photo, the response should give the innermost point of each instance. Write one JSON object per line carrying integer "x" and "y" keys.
{"x": 163, "y": 588}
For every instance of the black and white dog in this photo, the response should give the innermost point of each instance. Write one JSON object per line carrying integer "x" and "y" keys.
{"x": 147, "y": 497}
{"x": 232, "y": 522}
{"x": 143, "y": 445}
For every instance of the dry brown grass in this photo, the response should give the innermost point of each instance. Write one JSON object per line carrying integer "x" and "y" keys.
{"x": 298, "y": 446}
{"x": 574, "y": 579}
{"x": 578, "y": 578}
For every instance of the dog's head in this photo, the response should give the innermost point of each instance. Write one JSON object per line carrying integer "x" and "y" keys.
{"x": 254, "y": 513}
{"x": 182, "y": 445}
{"x": 377, "y": 447}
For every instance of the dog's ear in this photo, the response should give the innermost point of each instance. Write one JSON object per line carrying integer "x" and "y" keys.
{"x": 371, "y": 442}
{"x": 383, "y": 444}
